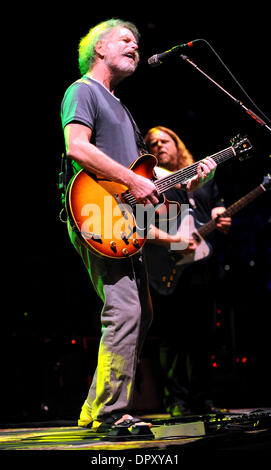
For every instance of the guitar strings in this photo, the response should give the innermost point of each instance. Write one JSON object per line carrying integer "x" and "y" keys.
{"x": 179, "y": 176}
{"x": 186, "y": 173}
{"x": 235, "y": 207}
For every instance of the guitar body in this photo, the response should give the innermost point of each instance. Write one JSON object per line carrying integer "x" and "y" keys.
{"x": 166, "y": 267}
{"x": 189, "y": 225}
{"x": 106, "y": 216}
{"x": 103, "y": 218}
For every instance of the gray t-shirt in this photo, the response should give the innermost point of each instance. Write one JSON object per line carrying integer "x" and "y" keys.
{"x": 89, "y": 103}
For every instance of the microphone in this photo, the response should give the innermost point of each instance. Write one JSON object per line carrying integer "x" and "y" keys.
{"x": 157, "y": 59}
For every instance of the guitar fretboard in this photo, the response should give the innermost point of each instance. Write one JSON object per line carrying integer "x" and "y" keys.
{"x": 233, "y": 209}
{"x": 181, "y": 176}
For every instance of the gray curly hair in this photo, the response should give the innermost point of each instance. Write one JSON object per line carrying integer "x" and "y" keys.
{"x": 87, "y": 44}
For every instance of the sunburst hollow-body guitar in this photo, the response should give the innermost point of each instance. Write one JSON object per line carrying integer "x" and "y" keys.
{"x": 107, "y": 217}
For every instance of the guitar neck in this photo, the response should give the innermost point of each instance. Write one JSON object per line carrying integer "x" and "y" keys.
{"x": 233, "y": 209}
{"x": 183, "y": 175}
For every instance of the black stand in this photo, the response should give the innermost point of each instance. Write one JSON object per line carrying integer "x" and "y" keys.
{"x": 248, "y": 111}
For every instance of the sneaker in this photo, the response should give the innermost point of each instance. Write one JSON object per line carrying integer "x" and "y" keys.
{"x": 129, "y": 421}
{"x": 118, "y": 421}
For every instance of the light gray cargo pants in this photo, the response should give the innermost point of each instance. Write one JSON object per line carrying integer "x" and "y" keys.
{"x": 125, "y": 318}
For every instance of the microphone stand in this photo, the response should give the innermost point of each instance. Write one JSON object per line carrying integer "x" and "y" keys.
{"x": 248, "y": 111}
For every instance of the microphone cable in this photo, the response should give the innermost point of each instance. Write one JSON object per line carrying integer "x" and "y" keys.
{"x": 233, "y": 77}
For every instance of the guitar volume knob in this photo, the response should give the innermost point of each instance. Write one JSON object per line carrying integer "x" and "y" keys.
{"x": 135, "y": 242}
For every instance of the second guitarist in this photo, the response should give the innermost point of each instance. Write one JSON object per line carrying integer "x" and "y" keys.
{"x": 184, "y": 319}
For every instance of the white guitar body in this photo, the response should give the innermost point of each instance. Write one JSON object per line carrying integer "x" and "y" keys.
{"x": 203, "y": 249}
{"x": 165, "y": 267}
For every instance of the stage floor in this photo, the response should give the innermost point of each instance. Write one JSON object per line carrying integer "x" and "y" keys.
{"x": 246, "y": 431}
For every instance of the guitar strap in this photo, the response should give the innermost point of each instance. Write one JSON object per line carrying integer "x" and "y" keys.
{"x": 142, "y": 148}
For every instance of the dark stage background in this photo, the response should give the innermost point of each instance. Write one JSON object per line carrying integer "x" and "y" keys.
{"x": 51, "y": 324}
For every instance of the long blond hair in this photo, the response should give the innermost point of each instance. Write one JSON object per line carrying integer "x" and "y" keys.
{"x": 184, "y": 157}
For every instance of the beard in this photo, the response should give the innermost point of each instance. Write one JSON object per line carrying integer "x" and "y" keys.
{"x": 123, "y": 67}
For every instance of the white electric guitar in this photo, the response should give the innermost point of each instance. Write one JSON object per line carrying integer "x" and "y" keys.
{"x": 165, "y": 267}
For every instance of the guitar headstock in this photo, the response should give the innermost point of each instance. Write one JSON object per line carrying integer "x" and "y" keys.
{"x": 267, "y": 182}
{"x": 242, "y": 147}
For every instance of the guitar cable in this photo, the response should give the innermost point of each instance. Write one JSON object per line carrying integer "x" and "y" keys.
{"x": 62, "y": 186}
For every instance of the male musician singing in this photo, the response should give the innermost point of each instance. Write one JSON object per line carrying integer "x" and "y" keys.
{"x": 100, "y": 137}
